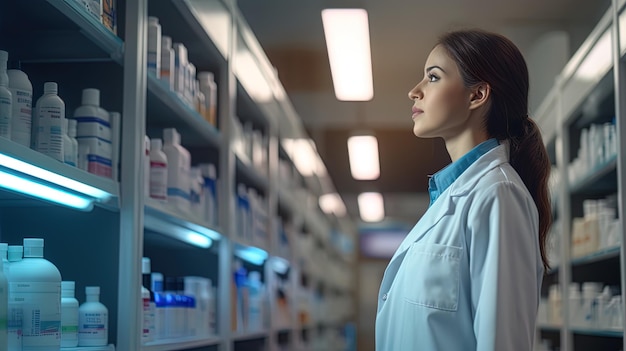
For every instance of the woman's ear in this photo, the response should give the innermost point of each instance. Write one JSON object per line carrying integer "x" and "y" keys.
{"x": 479, "y": 95}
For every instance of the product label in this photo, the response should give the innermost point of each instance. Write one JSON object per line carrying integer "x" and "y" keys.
{"x": 14, "y": 325}
{"x": 41, "y": 312}
{"x": 21, "y": 121}
{"x": 49, "y": 131}
{"x": 158, "y": 180}
{"x": 5, "y": 117}
{"x": 92, "y": 119}
{"x": 93, "y": 325}
{"x": 99, "y": 165}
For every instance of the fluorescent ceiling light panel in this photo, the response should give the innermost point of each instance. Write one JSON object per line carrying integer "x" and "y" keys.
{"x": 331, "y": 203}
{"x": 371, "y": 207}
{"x": 159, "y": 225}
{"x": 363, "y": 155}
{"x": 348, "y": 44}
{"x": 34, "y": 189}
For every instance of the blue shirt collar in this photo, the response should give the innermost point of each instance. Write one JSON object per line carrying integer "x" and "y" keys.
{"x": 441, "y": 180}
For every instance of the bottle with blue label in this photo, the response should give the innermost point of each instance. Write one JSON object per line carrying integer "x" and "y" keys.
{"x": 209, "y": 174}
{"x": 93, "y": 131}
{"x": 178, "y": 165}
{"x": 50, "y": 114}
{"x": 93, "y": 320}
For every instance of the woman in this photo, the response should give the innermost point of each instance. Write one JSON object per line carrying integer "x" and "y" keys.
{"x": 468, "y": 275}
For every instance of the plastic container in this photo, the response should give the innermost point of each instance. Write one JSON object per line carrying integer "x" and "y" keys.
{"x": 93, "y": 320}
{"x": 14, "y": 323}
{"x": 147, "y": 298}
{"x": 49, "y": 122}
{"x": 255, "y": 302}
{"x": 180, "y": 68}
{"x": 35, "y": 283}
{"x": 197, "y": 197}
{"x": 188, "y": 302}
{"x": 70, "y": 155}
{"x": 167, "y": 62}
{"x": 158, "y": 171}
{"x": 4, "y": 308}
{"x": 178, "y": 164}
{"x": 154, "y": 46}
{"x": 209, "y": 174}
{"x": 93, "y": 120}
{"x": 209, "y": 88}
{"x": 69, "y": 315}
{"x": 160, "y": 305}
{"x": 22, "y": 117}
{"x": 6, "y": 99}
{"x": 71, "y": 132}
{"x": 175, "y": 310}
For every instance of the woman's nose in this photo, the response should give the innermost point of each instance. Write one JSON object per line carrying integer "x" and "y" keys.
{"x": 415, "y": 93}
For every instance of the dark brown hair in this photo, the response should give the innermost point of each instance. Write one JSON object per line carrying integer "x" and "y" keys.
{"x": 484, "y": 57}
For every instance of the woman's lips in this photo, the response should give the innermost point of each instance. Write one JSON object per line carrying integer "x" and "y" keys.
{"x": 416, "y": 112}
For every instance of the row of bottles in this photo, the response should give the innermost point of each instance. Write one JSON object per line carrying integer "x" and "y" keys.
{"x": 90, "y": 140}
{"x": 169, "y": 62}
{"x": 176, "y": 307}
{"x": 252, "y": 216}
{"x": 171, "y": 179}
{"x": 39, "y": 310}
{"x": 247, "y": 300}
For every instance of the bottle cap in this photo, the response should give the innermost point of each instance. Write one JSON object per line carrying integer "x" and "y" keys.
{"x": 92, "y": 290}
{"x": 171, "y": 136}
{"x": 153, "y": 20}
{"x": 50, "y": 88}
{"x": 67, "y": 288}
{"x": 15, "y": 253}
{"x": 205, "y": 77}
{"x": 145, "y": 265}
{"x": 156, "y": 144}
{"x": 33, "y": 247}
{"x": 166, "y": 42}
{"x": 91, "y": 97}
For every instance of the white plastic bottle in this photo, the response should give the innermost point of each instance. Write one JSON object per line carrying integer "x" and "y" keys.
{"x": 146, "y": 165}
{"x": 180, "y": 68}
{"x": 255, "y": 302}
{"x": 14, "y": 324}
{"x": 209, "y": 88}
{"x": 71, "y": 133}
{"x": 36, "y": 282}
{"x": 154, "y": 46}
{"x": 69, "y": 315}
{"x": 168, "y": 69}
{"x": 4, "y": 308}
{"x": 209, "y": 174}
{"x": 69, "y": 157}
{"x": 148, "y": 303}
{"x": 6, "y": 99}
{"x": 49, "y": 121}
{"x": 93, "y": 320}
{"x": 178, "y": 164}
{"x": 197, "y": 192}
{"x": 22, "y": 117}
{"x": 158, "y": 170}
{"x": 94, "y": 131}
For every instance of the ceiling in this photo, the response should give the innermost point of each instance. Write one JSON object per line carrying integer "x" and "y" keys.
{"x": 402, "y": 33}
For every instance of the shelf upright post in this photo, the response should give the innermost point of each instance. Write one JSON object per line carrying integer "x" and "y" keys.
{"x": 562, "y": 143}
{"x": 227, "y": 90}
{"x": 131, "y": 184}
{"x": 619, "y": 80}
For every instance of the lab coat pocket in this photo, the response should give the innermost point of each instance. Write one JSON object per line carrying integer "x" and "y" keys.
{"x": 435, "y": 278}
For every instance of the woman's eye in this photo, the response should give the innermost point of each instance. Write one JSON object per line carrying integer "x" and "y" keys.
{"x": 432, "y": 77}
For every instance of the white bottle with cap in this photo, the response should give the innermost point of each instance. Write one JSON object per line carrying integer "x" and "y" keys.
{"x": 167, "y": 62}
{"x": 154, "y": 46}
{"x": 69, "y": 157}
{"x": 94, "y": 132}
{"x": 22, "y": 117}
{"x": 93, "y": 320}
{"x": 146, "y": 165}
{"x": 158, "y": 170}
{"x": 209, "y": 88}
{"x": 69, "y": 315}
{"x": 36, "y": 282}
{"x": 71, "y": 133}
{"x": 209, "y": 174}
{"x": 14, "y": 324}
{"x": 6, "y": 99}
{"x": 49, "y": 121}
{"x": 147, "y": 298}
{"x": 178, "y": 165}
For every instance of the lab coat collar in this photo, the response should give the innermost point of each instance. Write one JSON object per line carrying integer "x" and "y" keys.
{"x": 461, "y": 187}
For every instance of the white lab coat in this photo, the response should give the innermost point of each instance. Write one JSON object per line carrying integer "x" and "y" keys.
{"x": 468, "y": 275}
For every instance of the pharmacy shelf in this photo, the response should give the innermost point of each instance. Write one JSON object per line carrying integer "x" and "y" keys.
{"x": 91, "y": 27}
{"x": 109, "y": 347}
{"x": 611, "y": 333}
{"x": 250, "y": 336}
{"x": 602, "y": 180}
{"x": 177, "y": 224}
{"x": 248, "y": 175}
{"x": 250, "y": 111}
{"x": 23, "y": 160}
{"x": 598, "y": 256}
{"x": 550, "y": 328}
{"x": 167, "y": 110}
{"x": 180, "y": 343}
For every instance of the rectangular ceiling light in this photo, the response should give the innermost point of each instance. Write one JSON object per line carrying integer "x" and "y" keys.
{"x": 371, "y": 207}
{"x": 348, "y": 44}
{"x": 363, "y": 156}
